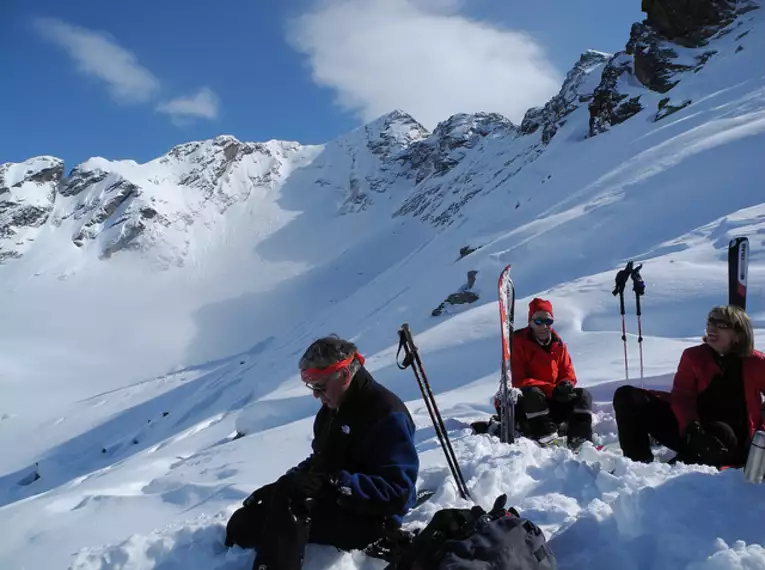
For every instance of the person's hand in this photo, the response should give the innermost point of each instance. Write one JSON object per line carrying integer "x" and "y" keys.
{"x": 302, "y": 485}
{"x": 708, "y": 447}
{"x": 563, "y": 392}
{"x": 259, "y": 495}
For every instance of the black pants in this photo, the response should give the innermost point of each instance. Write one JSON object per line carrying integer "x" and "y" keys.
{"x": 640, "y": 414}
{"x": 538, "y": 416}
{"x": 259, "y": 526}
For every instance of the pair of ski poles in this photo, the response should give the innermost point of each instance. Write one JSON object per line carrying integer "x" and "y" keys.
{"x": 412, "y": 357}
{"x": 638, "y": 286}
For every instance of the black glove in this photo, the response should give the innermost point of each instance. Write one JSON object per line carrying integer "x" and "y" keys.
{"x": 302, "y": 485}
{"x": 259, "y": 495}
{"x": 706, "y": 446}
{"x": 563, "y": 392}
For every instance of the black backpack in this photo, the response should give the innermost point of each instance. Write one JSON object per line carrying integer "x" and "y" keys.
{"x": 472, "y": 539}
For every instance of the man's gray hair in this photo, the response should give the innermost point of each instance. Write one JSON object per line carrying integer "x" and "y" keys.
{"x": 328, "y": 350}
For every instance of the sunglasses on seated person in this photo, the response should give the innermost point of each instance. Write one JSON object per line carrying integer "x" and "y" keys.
{"x": 316, "y": 382}
{"x": 316, "y": 379}
{"x": 317, "y": 387}
{"x": 719, "y": 323}
{"x": 540, "y": 322}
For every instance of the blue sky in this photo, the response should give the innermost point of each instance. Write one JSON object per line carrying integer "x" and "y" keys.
{"x": 131, "y": 79}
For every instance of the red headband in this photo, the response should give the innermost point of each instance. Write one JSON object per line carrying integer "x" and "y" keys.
{"x": 319, "y": 372}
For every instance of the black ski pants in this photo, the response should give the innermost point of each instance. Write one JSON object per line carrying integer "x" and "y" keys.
{"x": 538, "y": 416}
{"x": 279, "y": 537}
{"x": 641, "y": 414}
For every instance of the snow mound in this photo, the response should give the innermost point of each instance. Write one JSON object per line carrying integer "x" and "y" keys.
{"x": 598, "y": 510}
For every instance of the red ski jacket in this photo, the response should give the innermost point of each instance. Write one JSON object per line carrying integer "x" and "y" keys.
{"x": 534, "y": 365}
{"x": 694, "y": 373}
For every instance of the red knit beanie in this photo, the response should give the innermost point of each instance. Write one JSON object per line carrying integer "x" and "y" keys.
{"x": 538, "y": 304}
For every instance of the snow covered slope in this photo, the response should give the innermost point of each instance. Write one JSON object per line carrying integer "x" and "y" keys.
{"x": 152, "y": 312}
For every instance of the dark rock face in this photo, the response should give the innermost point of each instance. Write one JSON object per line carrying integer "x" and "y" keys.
{"x": 445, "y": 147}
{"x": 464, "y": 296}
{"x": 571, "y": 95}
{"x": 651, "y": 55}
{"x": 666, "y": 108}
{"x": 467, "y": 250}
{"x": 52, "y": 174}
{"x": 114, "y": 197}
{"x": 654, "y": 66}
{"x": 654, "y": 59}
{"x": 609, "y": 105}
{"x": 80, "y": 179}
{"x": 688, "y": 22}
{"x": 27, "y": 196}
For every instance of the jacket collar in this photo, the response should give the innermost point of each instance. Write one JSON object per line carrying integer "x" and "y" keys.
{"x": 554, "y": 338}
{"x": 360, "y": 381}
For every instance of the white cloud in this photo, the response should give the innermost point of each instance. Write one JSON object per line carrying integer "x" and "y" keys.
{"x": 202, "y": 104}
{"x": 421, "y": 56}
{"x": 100, "y": 56}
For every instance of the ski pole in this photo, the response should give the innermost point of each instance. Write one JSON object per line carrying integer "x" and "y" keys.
{"x": 638, "y": 286}
{"x": 411, "y": 356}
{"x": 621, "y": 282}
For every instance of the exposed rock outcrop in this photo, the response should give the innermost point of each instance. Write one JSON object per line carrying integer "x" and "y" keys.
{"x": 577, "y": 89}
{"x": 447, "y": 145}
{"x": 652, "y": 55}
{"x": 465, "y": 295}
{"x": 27, "y": 196}
{"x": 612, "y": 104}
{"x": 689, "y": 22}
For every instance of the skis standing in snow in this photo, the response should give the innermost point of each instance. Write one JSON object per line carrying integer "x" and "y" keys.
{"x": 738, "y": 268}
{"x": 505, "y": 393}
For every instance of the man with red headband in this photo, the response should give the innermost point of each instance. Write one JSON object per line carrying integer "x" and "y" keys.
{"x": 542, "y": 369}
{"x": 359, "y": 480}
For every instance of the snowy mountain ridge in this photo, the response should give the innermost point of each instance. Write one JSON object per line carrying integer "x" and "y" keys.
{"x": 113, "y": 206}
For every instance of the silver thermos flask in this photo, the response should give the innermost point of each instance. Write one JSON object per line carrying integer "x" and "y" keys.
{"x": 755, "y": 463}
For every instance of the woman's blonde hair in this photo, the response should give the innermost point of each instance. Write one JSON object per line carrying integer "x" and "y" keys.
{"x": 743, "y": 346}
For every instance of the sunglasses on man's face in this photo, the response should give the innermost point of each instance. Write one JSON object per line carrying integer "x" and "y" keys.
{"x": 317, "y": 387}
{"x": 540, "y": 322}
{"x": 317, "y": 381}
{"x": 718, "y": 323}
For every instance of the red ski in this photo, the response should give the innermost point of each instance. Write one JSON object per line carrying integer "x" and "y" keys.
{"x": 506, "y": 290}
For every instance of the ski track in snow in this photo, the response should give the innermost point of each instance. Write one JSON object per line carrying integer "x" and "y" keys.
{"x": 152, "y": 403}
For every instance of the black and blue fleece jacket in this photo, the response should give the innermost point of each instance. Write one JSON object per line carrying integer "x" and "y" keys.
{"x": 367, "y": 447}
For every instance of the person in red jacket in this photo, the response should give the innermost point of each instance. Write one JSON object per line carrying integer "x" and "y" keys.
{"x": 715, "y": 404}
{"x": 542, "y": 369}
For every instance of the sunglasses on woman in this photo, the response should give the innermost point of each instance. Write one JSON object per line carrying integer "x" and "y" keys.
{"x": 540, "y": 322}
{"x": 719, "y": 323}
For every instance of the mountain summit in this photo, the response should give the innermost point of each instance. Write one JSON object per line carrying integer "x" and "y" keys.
{"x": 165, "y": 209}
